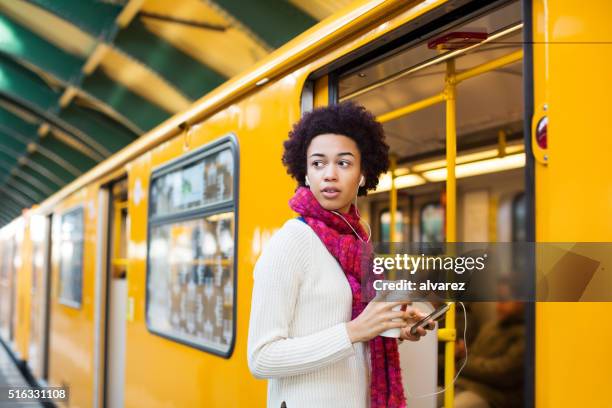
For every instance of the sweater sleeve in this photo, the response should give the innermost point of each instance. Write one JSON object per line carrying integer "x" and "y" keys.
{"x": 278, "y": 272}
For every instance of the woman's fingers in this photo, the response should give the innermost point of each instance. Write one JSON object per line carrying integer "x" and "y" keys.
{"x": 391, "y": 305}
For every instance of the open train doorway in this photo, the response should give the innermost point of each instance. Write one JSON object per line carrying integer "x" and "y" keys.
{"x": 113, "y": 294}
{"x": 451, "y": 101}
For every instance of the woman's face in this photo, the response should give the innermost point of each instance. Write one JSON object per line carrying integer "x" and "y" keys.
{"x": 334, "y": 170}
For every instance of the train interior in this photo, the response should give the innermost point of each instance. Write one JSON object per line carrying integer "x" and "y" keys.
{"x": 490, "y": 205}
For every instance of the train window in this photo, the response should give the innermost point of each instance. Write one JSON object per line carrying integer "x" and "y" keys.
{"x": 71, "y": 258}
{"x": 432, "y": 223}
{"x": 385, "y": 224}
{"x": 202, "y": 183}
{"x": 191, "y": 255}
{"x": 519, "y": 218}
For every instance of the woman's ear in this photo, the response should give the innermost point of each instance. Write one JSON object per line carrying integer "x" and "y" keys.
{"x": 362, "y": 181}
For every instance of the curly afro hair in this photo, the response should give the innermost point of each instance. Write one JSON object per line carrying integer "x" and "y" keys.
{"x": 347, "y": 119}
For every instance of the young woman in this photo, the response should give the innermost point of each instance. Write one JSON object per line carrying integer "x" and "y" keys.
{"x": 310, "y": 334}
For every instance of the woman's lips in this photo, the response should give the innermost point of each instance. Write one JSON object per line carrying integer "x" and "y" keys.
{"x": 330, "y": 193}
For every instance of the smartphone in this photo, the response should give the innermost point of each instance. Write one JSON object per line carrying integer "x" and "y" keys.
{"x": 435, "y": 315}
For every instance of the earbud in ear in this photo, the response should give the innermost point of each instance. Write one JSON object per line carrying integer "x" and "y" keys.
{"x": 307, "y": 182}
{"x": 362, "y": 181}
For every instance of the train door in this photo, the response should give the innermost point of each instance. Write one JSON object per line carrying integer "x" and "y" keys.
{"x": 6, "y": 269}
{"x": 117, "y": 295}
{"x": 571, "y": 127}
{"x": 40, "y": 295}
{"x": 12, "y": 267}
{"x": 111, "y": 295}
{"x": 450, "y": 95}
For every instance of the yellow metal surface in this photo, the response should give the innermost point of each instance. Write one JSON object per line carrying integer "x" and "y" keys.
{"x": 572, "y": 59}
{"x": 321, "y": 9}
{"x": 23, "y": 271}
{"x": 321, "y": 92}
{"x": 489, "y": 66}
{"x": 392, "y": 198}
{"x": 413, "y": 107}
{"x": 449, "y": 358}
{"x": 451, "y": 152}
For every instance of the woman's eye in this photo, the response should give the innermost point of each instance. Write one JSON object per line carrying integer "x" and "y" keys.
{"x": 317, "y": 164}
{"x": 344, "y": 163}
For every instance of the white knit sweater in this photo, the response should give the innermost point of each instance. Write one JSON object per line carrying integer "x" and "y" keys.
{"x": 297, "y": 332}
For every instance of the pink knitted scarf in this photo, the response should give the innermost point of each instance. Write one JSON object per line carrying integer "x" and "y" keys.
{"x": 386, "y": 390}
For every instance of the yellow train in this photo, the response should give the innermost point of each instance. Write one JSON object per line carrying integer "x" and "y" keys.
{"x": 132, "y": 285}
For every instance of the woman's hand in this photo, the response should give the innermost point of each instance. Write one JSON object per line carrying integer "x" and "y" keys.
{"x": 375, "y": 319}
{"x": 412, "y": 316}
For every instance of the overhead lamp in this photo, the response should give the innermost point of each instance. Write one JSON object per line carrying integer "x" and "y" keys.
{"x": 513, "y": 161}
{"x": 407, "y": 180}
{"x": 464, "y": 158}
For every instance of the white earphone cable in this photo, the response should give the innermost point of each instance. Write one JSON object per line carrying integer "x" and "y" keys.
{"x": 458, "y": 371}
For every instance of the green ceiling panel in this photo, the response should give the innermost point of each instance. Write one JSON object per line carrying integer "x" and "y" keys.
{"x": 135, "y": 108}
{"x": 11, "y": 211}
{"x": 14, "y": 125}
{"x": 110, "y": 134}
{"x": 26, "y": 46}
{"x": 25, "y": 190}
{"x": 25, "y": 86}
{"x": 95, "y": 17}
{"x": 44, "y": 175}
{"x": 23, "y": 45}
{"x": 185, "y": 73}
{"x": 8, "y": 159}
{"x": 19, "y": 199}
{"x": 76, "y": 158}
{"x": 4, "y": 217}
{"x": 274, "y": 21}
{"x": 43, "y": 185}
{"x": 15, "y": 207}
{"x": 51, "y": 166}
{"x": 11, "y": 146}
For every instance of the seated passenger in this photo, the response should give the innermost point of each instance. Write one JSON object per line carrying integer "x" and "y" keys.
{"x": 493, "y": 374}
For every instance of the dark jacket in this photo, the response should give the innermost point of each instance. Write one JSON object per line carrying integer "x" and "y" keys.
{"x": 495, "y": 365}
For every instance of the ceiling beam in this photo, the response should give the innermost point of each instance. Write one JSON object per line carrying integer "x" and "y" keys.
{"x": 10, "y": 204}
{"x": 273, "y": 21}
{"x": 65, "y": 157}
{"x": 95, "y": 17}
{"x": 28, "y": 92}
{"x": 42, "y": 57}
{"x": 25, "y": 190}
{"x": 191, "y": 77}
{"x": 44, "y": 188}
{"x": 185, "y": 73}
{"x": 91, "y": 127}
{"x": 17, "y": 198}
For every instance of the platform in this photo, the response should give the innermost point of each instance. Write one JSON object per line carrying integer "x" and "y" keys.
{"x": 10, "y": 376}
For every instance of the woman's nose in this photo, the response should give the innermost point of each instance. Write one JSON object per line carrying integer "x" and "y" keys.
{"x": 330, "y": 174}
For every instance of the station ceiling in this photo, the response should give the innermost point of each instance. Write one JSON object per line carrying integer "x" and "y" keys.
{"x": 79, "y": 80}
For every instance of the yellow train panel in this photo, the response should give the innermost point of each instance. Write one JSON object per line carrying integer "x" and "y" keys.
{"x": 572, "y": 57}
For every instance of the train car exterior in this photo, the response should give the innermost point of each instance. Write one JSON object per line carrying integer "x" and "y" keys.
{"x": 70, "y": 326}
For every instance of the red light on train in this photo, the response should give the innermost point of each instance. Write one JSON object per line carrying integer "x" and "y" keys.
{"x": 457, "y": 40}
{"x": 542, "y": 133}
